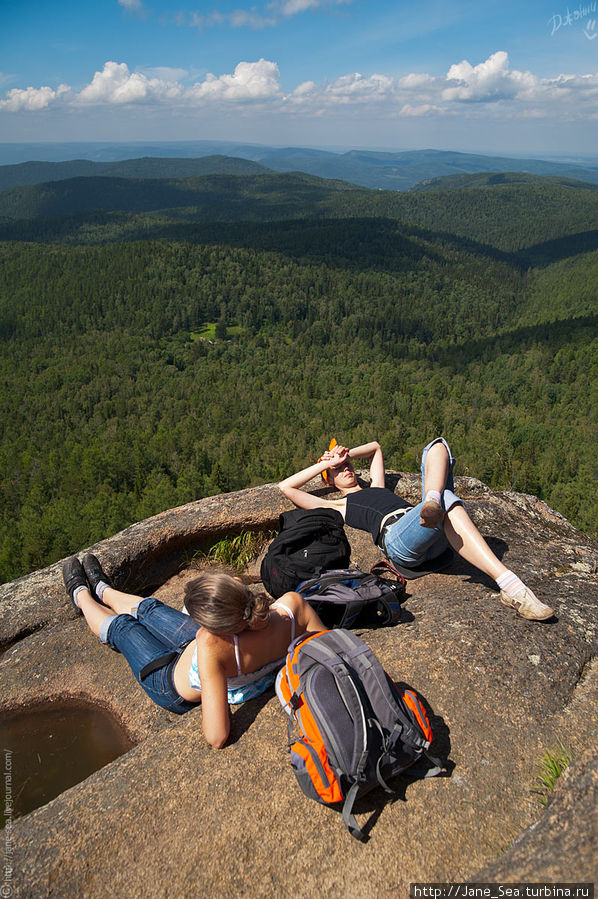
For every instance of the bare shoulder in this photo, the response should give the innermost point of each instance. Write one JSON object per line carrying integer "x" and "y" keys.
{"x": 291, "y": 600}
{"x": 302, "y": 612}
{"x": 216, "y": 646}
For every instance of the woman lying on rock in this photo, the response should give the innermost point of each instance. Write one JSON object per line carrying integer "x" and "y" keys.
{"x": 411, "y": 537}
{"x": 227, "y": 650}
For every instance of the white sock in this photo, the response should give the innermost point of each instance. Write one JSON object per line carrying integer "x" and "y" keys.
{"x": 510, "y": 583}
{"x": 432, "y": 496}
{"x": 76, "y": 592}
{"x": 99, "y": 590}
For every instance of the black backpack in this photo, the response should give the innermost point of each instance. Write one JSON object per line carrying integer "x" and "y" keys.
{"x": 347, "y": 597}
{"x": 310, "y": 541}
{"x": 356, "y": 727}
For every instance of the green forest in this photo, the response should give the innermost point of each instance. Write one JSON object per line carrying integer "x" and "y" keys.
{"x": 154, "y": 354}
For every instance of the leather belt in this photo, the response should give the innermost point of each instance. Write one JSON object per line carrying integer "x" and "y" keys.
{"x": 386, "y": 523}
{"x": 160, "y": 662}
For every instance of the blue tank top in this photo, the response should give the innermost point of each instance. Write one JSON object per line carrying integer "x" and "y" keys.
{"x": 247, "y": 686}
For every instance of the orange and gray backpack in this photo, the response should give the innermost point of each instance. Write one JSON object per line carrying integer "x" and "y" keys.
{"x": 357, "y": 728}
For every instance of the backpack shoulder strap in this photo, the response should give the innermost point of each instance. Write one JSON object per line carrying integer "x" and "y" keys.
{"x": 348, "y": 816}
{"x": 381, "y": 695}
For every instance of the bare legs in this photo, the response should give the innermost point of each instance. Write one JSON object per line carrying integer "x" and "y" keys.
{"x": 436, "y": 473}
{"x": 465, "y": 538}
{"x": 95, "y": 613}
{"x": 437, "y": 467}
{"x": 459, "y": 529}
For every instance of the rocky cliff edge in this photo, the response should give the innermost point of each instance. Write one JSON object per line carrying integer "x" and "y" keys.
{"x": 173, "y": 816}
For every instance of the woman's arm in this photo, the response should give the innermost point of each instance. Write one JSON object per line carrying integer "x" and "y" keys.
{"x": 290, "y": 486}
{"x": 214, "y": 690}
{"x": 306, "y": 618}
{"x": 373, "y": 452}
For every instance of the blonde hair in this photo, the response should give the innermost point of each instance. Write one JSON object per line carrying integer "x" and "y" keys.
{"x": 222, "y": 604}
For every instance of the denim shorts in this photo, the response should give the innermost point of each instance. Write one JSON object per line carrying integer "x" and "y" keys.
{"x": 409, "y": 543}
{"x": 151, "y": 631}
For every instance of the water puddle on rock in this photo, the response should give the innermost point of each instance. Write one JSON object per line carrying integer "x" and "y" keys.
{"x": 49, "y": 748}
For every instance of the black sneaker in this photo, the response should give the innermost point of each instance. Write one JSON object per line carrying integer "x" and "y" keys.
{"x": 95, "y": 573}
{"x": 74, "y": 576}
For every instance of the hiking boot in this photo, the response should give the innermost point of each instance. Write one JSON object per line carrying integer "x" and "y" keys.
{"x": 74, "y": 576}
{"x": 431, "y": 513}
{"x": 95, "y": 573}
{"x": 527, "y": 605}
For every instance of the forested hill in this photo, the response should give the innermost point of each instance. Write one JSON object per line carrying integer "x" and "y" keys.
{"x": 493, "y": 179}
{"x": 137, "y": 374}
{"x": 210, "y": 198}
{"x": 538, "y": 221}
{"x": 27, "y": 173}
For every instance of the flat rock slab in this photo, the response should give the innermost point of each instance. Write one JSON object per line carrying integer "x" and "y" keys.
{"x": 172, "y": 815}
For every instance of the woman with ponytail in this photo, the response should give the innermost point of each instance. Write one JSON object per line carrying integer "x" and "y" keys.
{"x": 226, "y": 650}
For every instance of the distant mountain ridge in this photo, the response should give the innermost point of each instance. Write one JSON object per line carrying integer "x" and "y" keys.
{"x": 400, "y": 171}
{"x": 29, "y": 173}
{"x": 389, "y": 170}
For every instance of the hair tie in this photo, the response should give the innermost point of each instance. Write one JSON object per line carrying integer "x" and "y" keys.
{"x": 249, "y": 609}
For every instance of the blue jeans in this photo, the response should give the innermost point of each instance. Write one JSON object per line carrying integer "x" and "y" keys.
{"x": 151, "y": 631}
{"x": 409, "y": 543}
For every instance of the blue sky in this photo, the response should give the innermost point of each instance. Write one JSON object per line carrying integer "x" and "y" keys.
{"x": 486, "y": 77}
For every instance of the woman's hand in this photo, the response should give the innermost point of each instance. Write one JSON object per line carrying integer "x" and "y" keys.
{"x": 336, "y": 456}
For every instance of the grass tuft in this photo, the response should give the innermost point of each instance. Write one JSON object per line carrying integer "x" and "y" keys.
{"x": 237, "y": 552}
{"x": 551, "y": 766}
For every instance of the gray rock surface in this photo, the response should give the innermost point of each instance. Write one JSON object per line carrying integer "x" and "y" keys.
{"x": 173, "y": 816}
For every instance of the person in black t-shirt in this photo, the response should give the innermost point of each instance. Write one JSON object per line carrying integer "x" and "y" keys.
{"x": 411, "y": 536}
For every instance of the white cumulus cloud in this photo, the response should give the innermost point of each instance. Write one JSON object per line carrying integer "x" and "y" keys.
{"x": 117, "y": 85}
{"x": 487, "y": 82}
{"x": 348, "y": 89}
{"x": 249, "y": 81}
{"x": 33, "y": 98}
{"x": 416, "y": 81}
{"x": 490, "y": 87}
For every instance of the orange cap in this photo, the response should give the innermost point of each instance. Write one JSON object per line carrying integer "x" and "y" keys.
{"x": 331, "y": 446}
